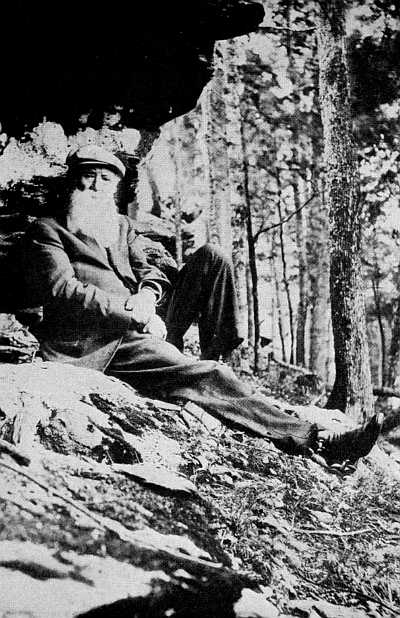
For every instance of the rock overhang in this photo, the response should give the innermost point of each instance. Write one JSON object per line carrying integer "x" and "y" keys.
{"x": 142, "y": 64}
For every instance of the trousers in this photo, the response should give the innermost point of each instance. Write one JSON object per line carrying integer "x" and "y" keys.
{"x": 204, "y": 292}
{"x": 156, "y": 367}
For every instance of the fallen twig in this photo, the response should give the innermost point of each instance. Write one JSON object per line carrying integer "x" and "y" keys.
{"x": 333, "y": 532}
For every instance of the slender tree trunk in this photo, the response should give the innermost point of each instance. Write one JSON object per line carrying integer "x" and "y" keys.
{"x": 278, "y": 298}
{"x": 250, "y": 312}
{"x": 394, "y": 351}
{"x": 319, "y": 269}
{"x": 240, "y": 251}
{"x": 155, "y": 193}
{"x": 381, "y": 327}
{"x": 215, "y": 118}
{"x": 240, "y": 265}
{"x": 252, "y": 252}
{"x": 318, "y": 251}
{"x": 300, "y": 236}
{"x": 284, "y": 272}
{"x": 203, "y": 143}
{"x": 302, "y": 307}
{"x": 178, "y": 192}
{"x": 352, "y": 392}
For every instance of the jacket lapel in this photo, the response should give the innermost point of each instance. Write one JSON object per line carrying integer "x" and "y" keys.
{"x": 115, "y": 257}
{"x": 118, "y": 258}
{"x": 93, "y": 248}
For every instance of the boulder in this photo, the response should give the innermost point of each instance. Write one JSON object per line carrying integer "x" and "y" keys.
{"x": 100, "y": 514}
{"x": 117, "y": 504}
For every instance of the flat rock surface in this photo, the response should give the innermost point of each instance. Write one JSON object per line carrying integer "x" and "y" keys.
{"x": 133, "y": 506}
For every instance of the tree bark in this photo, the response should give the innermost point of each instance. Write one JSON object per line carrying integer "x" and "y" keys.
{"x": 318, "y": 249}
{"x": 252, "y": 252}
{"x": 319, "y": 283}
{"x": 250, "y": 312}
{"x": 155, "y": 193}
{"x": 278, "y": 298}
{"x": 284, "y": 270}
{"x": 303, "y": 282}
{"x": 394, "y": 352}
{"x": 215, "y": 118}
{"x": 178, "y": 192}
{"x": 302, "y": 307}
{"x": 240, "y": 253}
{"x": 352, "y": 392}
{"x": 381, "y": 327}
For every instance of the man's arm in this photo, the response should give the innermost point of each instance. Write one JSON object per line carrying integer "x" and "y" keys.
{"x": 51, "y": 278}
{"x": 148, "y": 276}
{"x": 152, "y": 285}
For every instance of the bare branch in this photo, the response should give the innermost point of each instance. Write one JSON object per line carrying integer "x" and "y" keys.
{"x": 280, "y": 223}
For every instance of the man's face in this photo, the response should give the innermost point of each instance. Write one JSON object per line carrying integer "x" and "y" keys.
{"x": 91, "y": 205}
{"x": 101, "y": 180}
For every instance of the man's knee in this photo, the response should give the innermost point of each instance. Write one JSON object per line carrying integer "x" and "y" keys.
{"x": 224, "y": 375}
{"x": 212, "y": 253}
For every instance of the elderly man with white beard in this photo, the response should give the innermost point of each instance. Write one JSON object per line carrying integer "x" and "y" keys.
{"x": 100, "y": 297}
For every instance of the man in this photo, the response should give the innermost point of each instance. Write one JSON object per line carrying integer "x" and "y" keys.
{"x": 99, "y": 297}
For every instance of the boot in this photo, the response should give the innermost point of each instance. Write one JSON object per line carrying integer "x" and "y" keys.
{"x": 339, "y": 450}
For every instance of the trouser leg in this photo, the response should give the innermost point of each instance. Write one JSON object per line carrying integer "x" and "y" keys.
{"x": 155, "y": 366}
{"x": 205, "y": 292}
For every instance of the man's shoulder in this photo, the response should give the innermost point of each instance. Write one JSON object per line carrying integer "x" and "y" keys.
{"x": 49, "y": 221}
{"x": 43, "y": 223}
{"x": 46, "y": 226}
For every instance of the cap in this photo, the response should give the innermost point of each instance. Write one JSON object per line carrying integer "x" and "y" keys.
{"x": 95, "y": 156}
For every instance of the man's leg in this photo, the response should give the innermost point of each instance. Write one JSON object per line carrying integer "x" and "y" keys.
{"x": 205, "y": 292}
{"x": 155, "y": 366}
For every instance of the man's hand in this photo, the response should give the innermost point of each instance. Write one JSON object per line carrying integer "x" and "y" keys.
{"x": 143, "y": 306}
{"x": 156, "y": 327}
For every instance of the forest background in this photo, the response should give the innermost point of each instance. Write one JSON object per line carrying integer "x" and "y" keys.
{"x": 245, "y": 170}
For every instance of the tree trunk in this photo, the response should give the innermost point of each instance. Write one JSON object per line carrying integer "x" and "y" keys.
{"x": 352, "y": 392}
{"x": 318, "y": 225}
{"x": 155, "y": 193}
{"x": 178, "y": 191}
{"x": 252, "y": 253}
{"x": 278, "y": 298}
{"x": 293, "y": 75}
{"x": 394, "y": 351}
{"x": 240, "y": 252}
{"x": 318, "y": 250}
{"x": 381, "y": 328}
{"x": 303, "y": 277}
{"x": 203, "y": 143}
{"x": 250, "y": 312}
{"x": 285, "y": 276}
{"x": 215, "y": 119}
{"x": 394, "y": 354}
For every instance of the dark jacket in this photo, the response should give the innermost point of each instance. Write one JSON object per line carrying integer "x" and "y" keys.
{"x": 83, "y": 290}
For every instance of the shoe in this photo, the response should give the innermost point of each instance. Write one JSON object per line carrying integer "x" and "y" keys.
{"x": 345, "y": 449}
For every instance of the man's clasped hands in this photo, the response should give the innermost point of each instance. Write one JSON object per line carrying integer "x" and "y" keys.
{"x": 144, "y": 317}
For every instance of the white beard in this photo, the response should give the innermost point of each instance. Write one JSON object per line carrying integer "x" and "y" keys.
{"x": 94, "y": 215}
